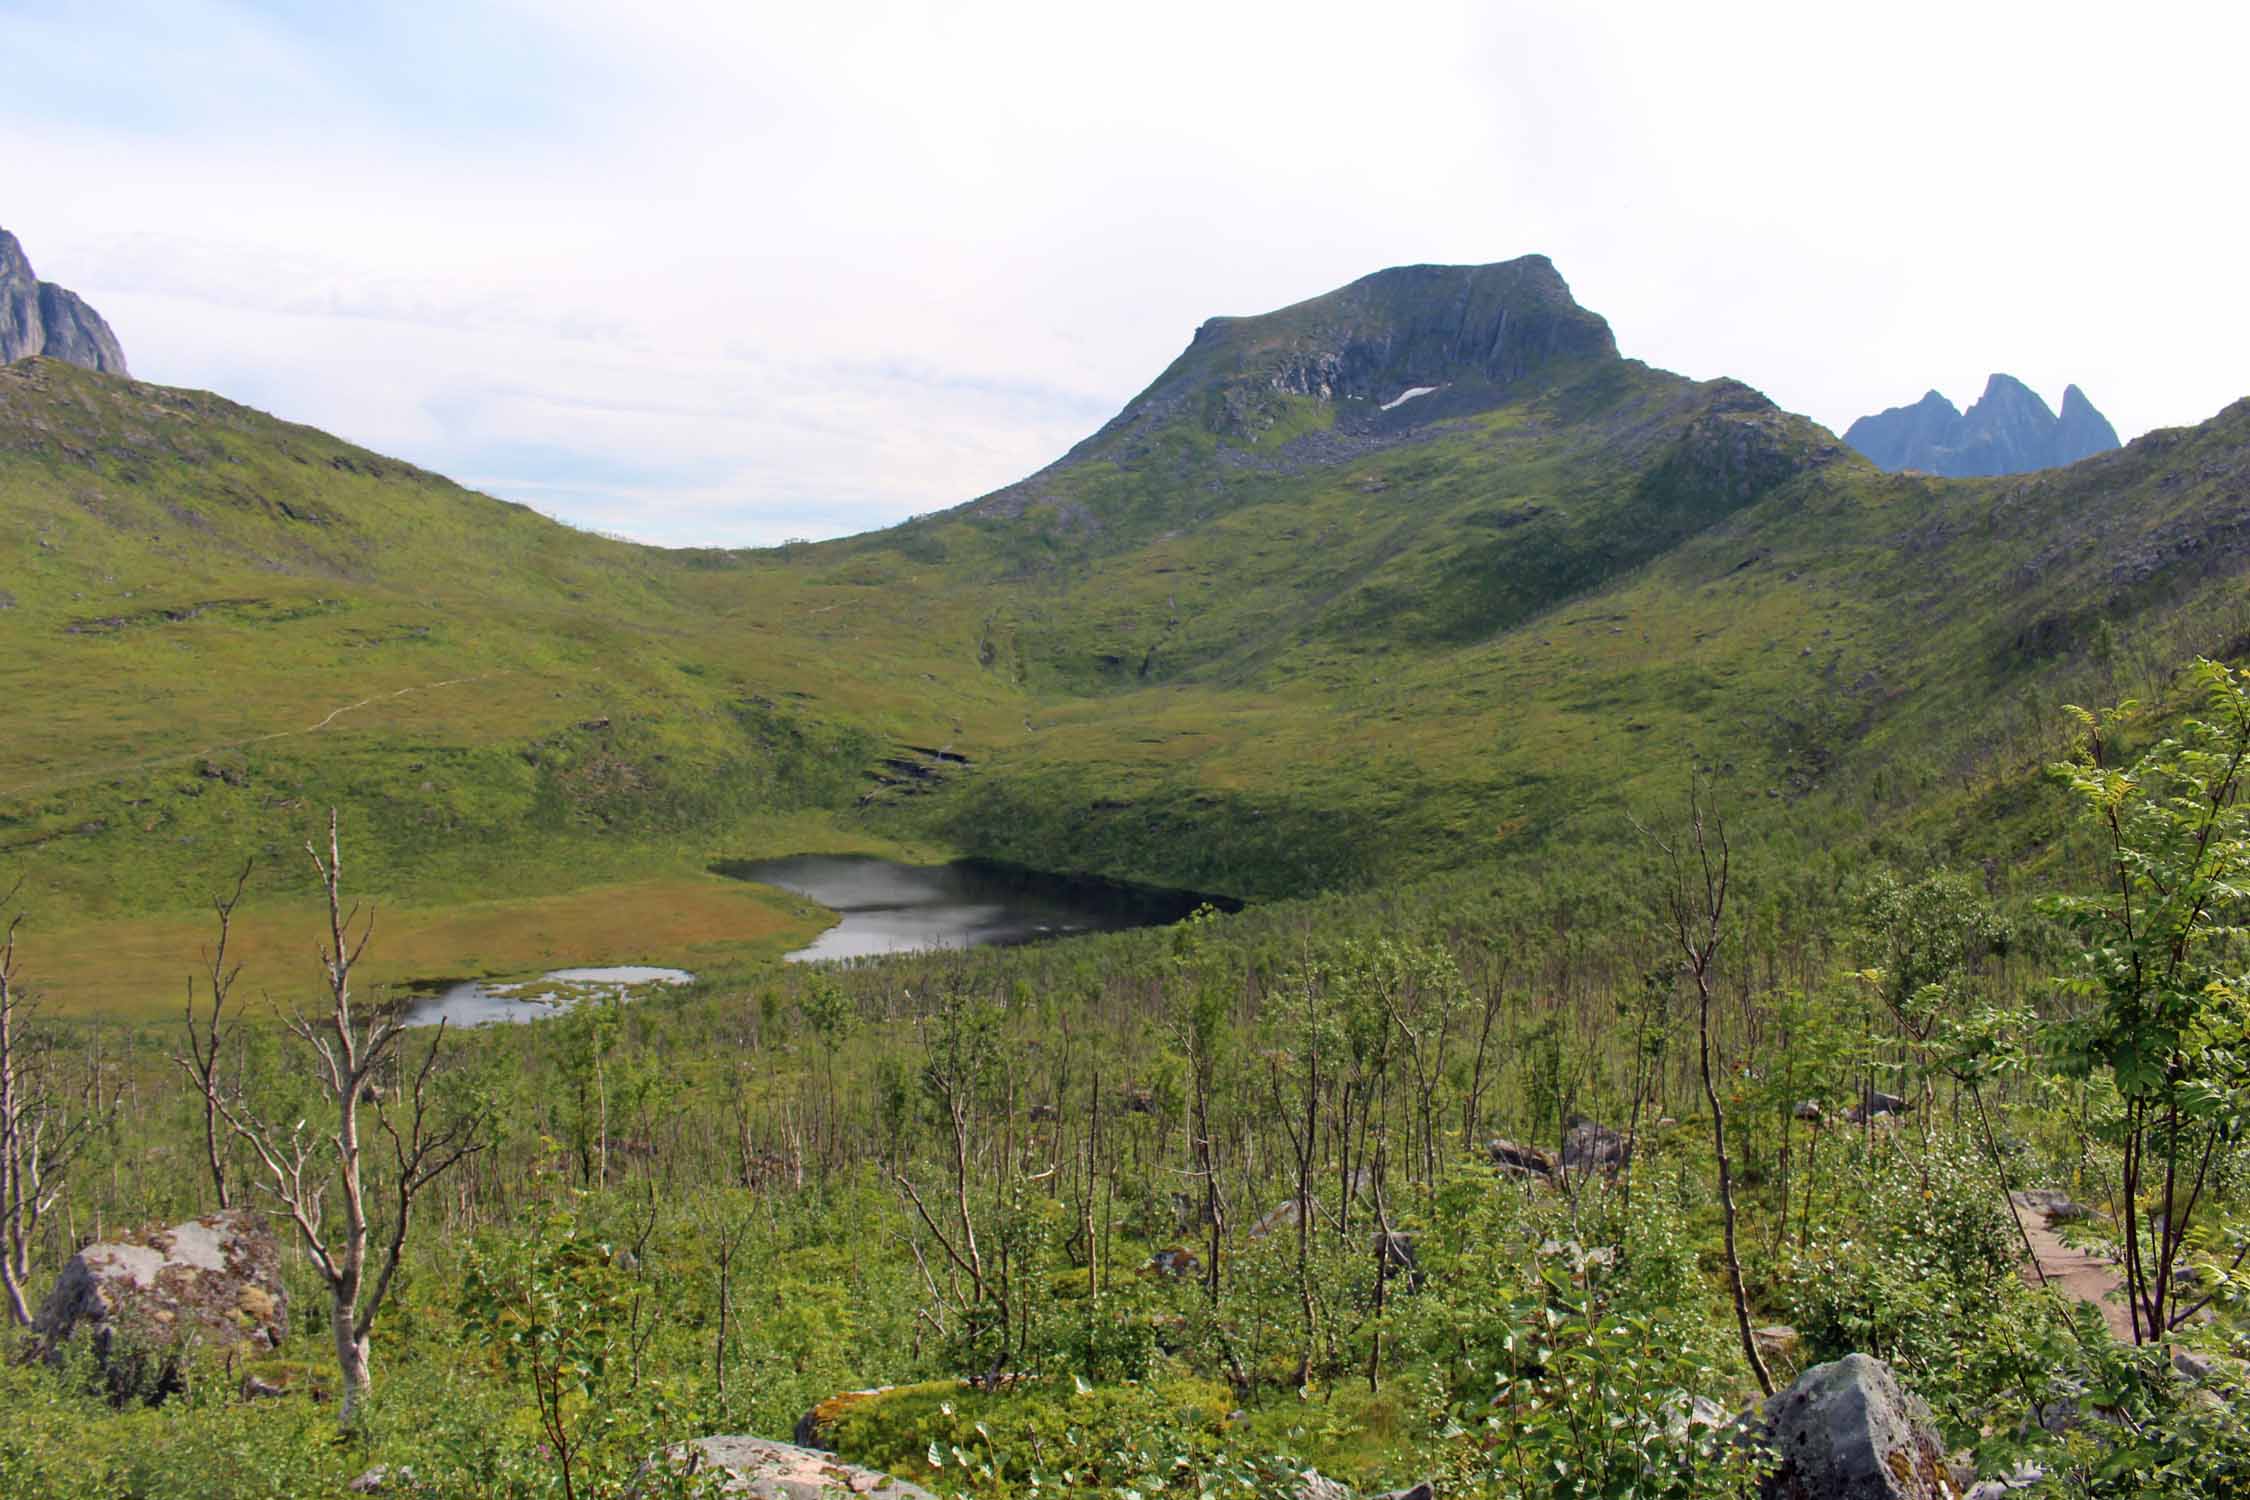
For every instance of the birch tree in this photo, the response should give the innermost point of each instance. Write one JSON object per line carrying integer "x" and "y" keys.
{"x": 349, "y": 1052}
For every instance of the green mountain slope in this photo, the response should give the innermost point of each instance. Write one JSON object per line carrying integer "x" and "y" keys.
{"x": 1415, "y": 576}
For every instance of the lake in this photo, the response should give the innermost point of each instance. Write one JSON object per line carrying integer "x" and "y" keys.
{"x": 480, "y": 1002}
{"x": 888, "y": 907}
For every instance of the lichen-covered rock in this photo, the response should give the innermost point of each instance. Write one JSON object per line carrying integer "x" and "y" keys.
{"x": 783, "y": 1471}
{"x": 1846, "y": 1431}
{"x": 138, "y": 1302}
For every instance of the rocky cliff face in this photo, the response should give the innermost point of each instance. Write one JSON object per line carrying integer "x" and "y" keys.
{"x": 39, "y": 318}
{"x": 2008, "y": 431}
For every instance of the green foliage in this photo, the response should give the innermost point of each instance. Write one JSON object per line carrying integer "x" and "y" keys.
{"x": 2161, "y": 961}
{"x": 558, "y": 1316}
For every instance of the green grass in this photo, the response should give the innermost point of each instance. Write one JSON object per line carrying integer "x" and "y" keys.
{"x": 1290, "y": 669}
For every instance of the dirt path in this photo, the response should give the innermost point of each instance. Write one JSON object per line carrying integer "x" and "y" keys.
{"x": 118, "y": 768}
{"x": 2081, "y": 1275}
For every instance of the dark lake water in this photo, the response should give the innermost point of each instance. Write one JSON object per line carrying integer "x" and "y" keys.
{"x": 889, "y": 907}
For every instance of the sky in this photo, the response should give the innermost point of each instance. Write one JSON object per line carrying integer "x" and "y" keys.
{"x": 732, "y": 273}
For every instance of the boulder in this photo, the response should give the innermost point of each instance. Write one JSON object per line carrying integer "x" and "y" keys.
{"x": 1588, "y": 1147}
{"x": 1846, "y": 1431}
{"x": 141, "y": 1300}
{"x": 2052, "y": 1205}
{"x": 1395, "y": 1248}
{"x": 1519, "y": 1161}
{"x": 1282, "y": 1215}
{"x": 1807, "y": 1110}
{"x": 1775, "y": 1341}
{"x": 783, "y": 1471}
{"x": 1875, "y": 1106}
{"x": 1684, "y": 1413}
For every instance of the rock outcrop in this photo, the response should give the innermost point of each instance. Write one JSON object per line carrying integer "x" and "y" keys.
{"x": 784, "y": 1471}
{"x": 140, "y": 1301}
{"x": 2009, "y": 431}
{"x": 39, "y": 318}
{"x": 1846, "y": 1431}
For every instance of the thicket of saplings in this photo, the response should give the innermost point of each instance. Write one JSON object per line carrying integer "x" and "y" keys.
{"x": 1190, "y": 1210}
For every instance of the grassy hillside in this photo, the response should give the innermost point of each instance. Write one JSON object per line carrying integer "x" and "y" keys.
{"x": 1269, "y": 632}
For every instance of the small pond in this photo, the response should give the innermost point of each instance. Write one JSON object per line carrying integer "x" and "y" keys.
{"x": 480, "y": 1002}
{"x": 887, "y": 907}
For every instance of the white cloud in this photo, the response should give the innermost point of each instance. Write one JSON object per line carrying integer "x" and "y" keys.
{"x": 724, "y": 272}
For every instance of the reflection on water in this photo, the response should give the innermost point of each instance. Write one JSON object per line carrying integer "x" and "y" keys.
{"x": 893, "y": 908}
{"x": 478, "y": 1002}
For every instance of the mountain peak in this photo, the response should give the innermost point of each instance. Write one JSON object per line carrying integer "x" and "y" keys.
{"x": 1397, "y": 347}
{"x": 40, "y": 318}
{"x": 2009, "y": 430}
{"x": 2000, "y": 386}
{"x": 2081, "y": 431}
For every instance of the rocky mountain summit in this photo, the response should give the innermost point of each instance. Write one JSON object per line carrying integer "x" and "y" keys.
{"x": 1392, "y": 349}
{"x": 2009, "y": 431}
{"x": 40, "y": 318}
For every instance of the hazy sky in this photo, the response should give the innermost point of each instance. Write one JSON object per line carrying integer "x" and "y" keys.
{"x": 735, "y": 272}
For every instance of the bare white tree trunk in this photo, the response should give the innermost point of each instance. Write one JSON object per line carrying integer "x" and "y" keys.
{"x": 349, "y": 1052}
{"x": 39, "y": 1134}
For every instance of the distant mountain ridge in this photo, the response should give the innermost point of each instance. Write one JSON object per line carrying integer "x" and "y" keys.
{"x": 2008, "y": 431}
{"x": 40, "y": 318}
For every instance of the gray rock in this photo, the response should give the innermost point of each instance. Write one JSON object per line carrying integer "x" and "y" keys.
{"x": 1282, "y": 1215}
{"x": 784, "y": 1471}
{"x": 139, "y": 1301}
{"x": 1684, "y": 1413}
{"x": 2191, "y": 1366}
{"x": 1589, "y": 1147}
{"x": 1846, "y": 1431}
{"x": 2051, "y": 1204}
{"x": 1875, "y": 1106}
{"x": 39, "y": 318}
